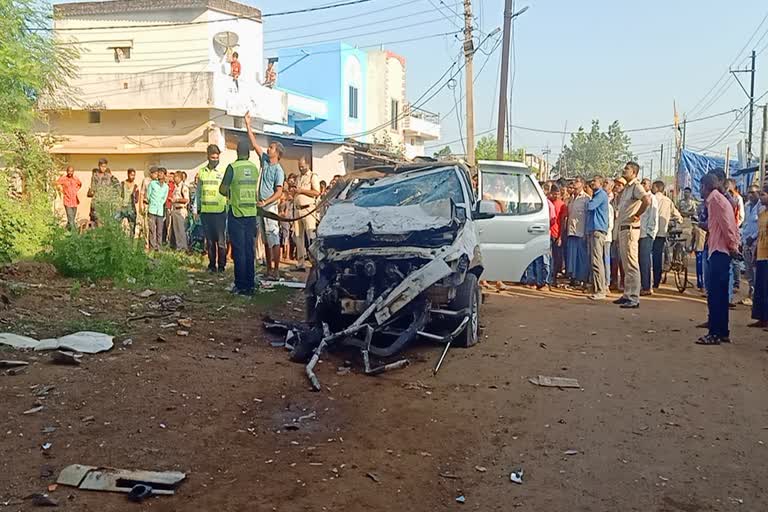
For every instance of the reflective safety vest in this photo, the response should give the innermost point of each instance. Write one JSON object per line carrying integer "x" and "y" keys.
{"x": 211, "y": 201}
{"x": 242, "y": 190}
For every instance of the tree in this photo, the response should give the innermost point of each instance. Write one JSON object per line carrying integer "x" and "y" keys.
{"x": 443, "y": 153}
{"x": 485, "y": 149}
{"x": 595, "y": 152}
{"x": 33, "y": 69}
{"x": 32, "y": 65}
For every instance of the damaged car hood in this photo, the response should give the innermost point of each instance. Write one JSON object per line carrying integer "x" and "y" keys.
{"x": 346, "y": 219}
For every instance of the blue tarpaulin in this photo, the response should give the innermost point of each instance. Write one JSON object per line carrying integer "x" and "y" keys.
{"x": 693, "y": 167}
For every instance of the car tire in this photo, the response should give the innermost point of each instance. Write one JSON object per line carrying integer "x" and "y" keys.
{"x": 468, "y": 297}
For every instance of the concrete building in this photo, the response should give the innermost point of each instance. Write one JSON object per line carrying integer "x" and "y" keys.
{"x": 154, "y": 84}
{"x": 365, "y": 93}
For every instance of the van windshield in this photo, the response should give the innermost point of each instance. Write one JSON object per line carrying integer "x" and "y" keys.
{"x": 397, "y": 191}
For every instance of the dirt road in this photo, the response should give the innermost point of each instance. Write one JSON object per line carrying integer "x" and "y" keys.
{"x": 659, "y": 424}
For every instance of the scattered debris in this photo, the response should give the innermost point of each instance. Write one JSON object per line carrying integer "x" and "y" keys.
{"x": 185, "y": 322}
{"x": 650, "y": 331}
{"x": 87, "y": 342}
{"x": 481, "y": 469}
{"x": 42, "y": 500}
{"x": 145, "y": 294}
{"x": 182, "y": 333}
{"x": 127, "y": 342}
{"x": 309, "y": 416}
{"x": 554, "y": 382}
{"x": 34, "y": 410}
{"x": 16, "y": 341}
{"x": 291, "y": 426}
{"x": 170, "y": 302}
{"x": 53, "y": 487}
{"x": 63, "y": 357}
{"x": 7, "y": 363}
{"x": 43, "y": 391}
{"x": 461, "y": 499}
{"x": 374, "y": 477}
{"x": 160, "y": 339}
{"x": 48, "y": 430}
{"x": 343, "y": 370}
{"x": 571, "y": 452}
{"x": 85, "y": 313}
{"x": 516, "y": 477}
{"x": 47, "y": 446}
{"x": 285, "y": 284}
{"x": 449, "y": 476}
{"x": 88, "y": 419}
{"x": 94, "y": 478}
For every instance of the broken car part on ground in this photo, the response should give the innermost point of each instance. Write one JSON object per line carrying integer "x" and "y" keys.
{"x": 396, "y": 258}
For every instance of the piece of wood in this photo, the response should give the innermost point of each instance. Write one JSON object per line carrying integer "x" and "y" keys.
{"x": 554, "y": 382}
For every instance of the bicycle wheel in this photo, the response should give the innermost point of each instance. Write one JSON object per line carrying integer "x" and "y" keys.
{"x": 681, "y": 272}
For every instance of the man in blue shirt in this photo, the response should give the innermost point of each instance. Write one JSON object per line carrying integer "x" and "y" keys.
{"x": 597, "y": 231}
{"x": 268, "y": 196}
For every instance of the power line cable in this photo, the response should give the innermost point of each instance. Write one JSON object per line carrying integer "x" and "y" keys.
{"x": 438, "y": 9}
{"x": 727, "y": 72}
{"x": 388, "y": 8}
{"x": 364, "y": 34}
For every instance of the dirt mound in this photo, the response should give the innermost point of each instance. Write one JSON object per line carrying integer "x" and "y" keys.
{"x": 29, "y": 270}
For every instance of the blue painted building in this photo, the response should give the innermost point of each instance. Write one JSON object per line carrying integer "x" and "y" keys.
{"x": 335, "y": 72}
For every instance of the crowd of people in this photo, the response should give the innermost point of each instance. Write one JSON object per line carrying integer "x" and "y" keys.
{"x": 217, "y": 213}
{"x": 610, "y": 234}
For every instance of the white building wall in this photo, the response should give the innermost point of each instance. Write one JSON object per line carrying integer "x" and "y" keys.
{"x": 329, "y": 160}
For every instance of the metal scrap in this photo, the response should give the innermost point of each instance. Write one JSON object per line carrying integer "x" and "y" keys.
{"x": 95, "y": 478}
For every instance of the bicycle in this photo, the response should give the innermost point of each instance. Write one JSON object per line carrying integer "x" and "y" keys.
{"x": 676, "y": 258}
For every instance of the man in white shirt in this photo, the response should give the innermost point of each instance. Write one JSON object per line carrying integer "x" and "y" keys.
{"x": 649, "y": 226}
{"x": 577, "y": 260}
{"x": 667, "y": 212}
{"x": 305, "y": 200}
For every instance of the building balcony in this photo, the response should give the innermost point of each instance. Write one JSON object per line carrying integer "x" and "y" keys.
{"x": 177, "y": 90}
{"x": 422, "y": 124}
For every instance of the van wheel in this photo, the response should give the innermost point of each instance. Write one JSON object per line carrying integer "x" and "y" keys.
{"x": 468, "y": 297}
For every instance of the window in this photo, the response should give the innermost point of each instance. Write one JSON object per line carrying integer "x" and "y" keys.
{"x": 353, "y": 102}
{"x": 394, "y": 114}
{"x": 237, "y": 122}
{"x": 514, "y": 194}
{"x": 94, "y": 117}
{"x": 122, "y": 53}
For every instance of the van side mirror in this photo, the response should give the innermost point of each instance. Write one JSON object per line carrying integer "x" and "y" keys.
{"x": 484, "y": 210}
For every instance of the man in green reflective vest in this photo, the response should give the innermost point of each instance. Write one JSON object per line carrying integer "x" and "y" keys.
{"x": 239, "y": 185}
{"x": 212, "y": 207}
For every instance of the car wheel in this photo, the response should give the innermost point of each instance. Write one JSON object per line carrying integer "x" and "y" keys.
{"x": 468, "y": 297}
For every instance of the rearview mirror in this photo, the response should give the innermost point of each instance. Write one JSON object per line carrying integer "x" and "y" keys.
{"x": 484, "y": 210}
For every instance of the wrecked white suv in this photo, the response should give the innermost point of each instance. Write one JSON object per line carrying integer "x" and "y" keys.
{"x": 396, "y": 258}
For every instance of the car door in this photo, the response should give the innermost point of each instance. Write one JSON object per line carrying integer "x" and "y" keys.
{"x": 519, "y": 231}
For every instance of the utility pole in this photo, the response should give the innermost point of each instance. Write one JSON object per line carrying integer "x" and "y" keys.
{"x": 751, "y": 96}
{"x": 469, "y": 52}
{"x": 651, "y": 170}
{"x": 503, "y": 90}
{"x": 762, "y": 147}
{"x": 661, "y": 161}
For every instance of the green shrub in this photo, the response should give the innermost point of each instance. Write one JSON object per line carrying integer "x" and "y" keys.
{"x": 26, "y": 223}
{"x": 106, "y": 252}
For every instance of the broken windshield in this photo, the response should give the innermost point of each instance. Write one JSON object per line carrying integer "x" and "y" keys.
{"x": 419, "y": 189}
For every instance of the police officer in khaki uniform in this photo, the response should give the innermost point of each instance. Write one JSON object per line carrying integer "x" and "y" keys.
{"x": 634, "y": 201}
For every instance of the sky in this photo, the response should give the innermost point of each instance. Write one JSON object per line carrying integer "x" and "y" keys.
{"x": 574, "y": 62}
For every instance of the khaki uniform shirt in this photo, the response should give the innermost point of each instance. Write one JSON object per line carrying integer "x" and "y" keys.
{"x": 307, "y": 181}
